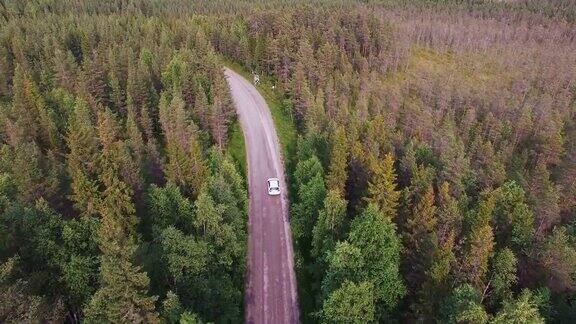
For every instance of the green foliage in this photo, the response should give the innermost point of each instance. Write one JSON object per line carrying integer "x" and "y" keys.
{"x": 167, "y": 206}
{"x": 375, "y": 235}
{"x": 558, "y": 258}
{"x": 382, "y": 189}
{"x": 463, "y": 306}
{"x": 350, "y": 303}
{"x": 123, "y": 296}
{"x": 337, "y": 176}
{"x": 479, "y": 243}
{"x": 372, "y": 254}
{"x": 184, "y": 255}
{"x": 309, "y": 201}
{"x": 17, "y": 302}
{"x": 444, "y": 256}
{"x": 29, "y": 109}
{"x": 306, "y": 170}
{"x": 34, "y": 174}
{"x": 513, "y": 217}
{"x": 329, "y": 227}
{"x": 522, "y": 310}
{"x": 420, "y": 239}
{"x": 183, "y": 149}
{"x": 504, "y": 265}
{"x": 171, "y": 308}
{"x": 84, "y": 148}
{"x": 85, "y": 214}
{"x": 174, "y": 74}
{"x": 189, "y": 318}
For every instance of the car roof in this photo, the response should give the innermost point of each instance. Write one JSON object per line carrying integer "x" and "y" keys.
{"x": 273, "y": 182}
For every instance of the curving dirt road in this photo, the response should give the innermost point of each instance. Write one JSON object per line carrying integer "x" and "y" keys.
{"x": 271, "y": 283}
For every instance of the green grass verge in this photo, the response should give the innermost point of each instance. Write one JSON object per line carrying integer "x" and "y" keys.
{"x": 237, "y": 147}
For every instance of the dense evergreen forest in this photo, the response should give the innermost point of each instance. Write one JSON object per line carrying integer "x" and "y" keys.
{"x": 433, "y": 180}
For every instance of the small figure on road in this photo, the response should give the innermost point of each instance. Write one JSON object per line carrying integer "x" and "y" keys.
{"x": 256, "y": 79}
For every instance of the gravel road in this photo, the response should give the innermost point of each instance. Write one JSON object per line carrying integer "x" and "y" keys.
{"x": 271, "y": 294}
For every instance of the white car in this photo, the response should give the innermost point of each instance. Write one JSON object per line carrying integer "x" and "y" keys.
{"x": 273, "y": 186}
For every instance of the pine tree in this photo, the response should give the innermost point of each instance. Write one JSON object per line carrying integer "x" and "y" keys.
{"x": 377, "y": 137}
{"x": 449, "y": 215}
{"x": 135, "y": 144}
{"x": 171, "y": 308}
{"x": 122, "y": 298}
{"x": 486, "y": 162}
{"x": 185, "y": 256}
{"x": 303, "y": 98}
{"x": 139, "y": 86}
{"x": 174, "y": 75}
{"x": 118, "y": 99}
{"x": 153, "y": 160}
{"x": 438, "y": 276}
{"x": 201, "y": 109}
{"x": 19, "y": 303}
{"x": 66, "y": 70}
{"x": 305, "y": 56}
{"x": 222, "y": 111}
{"x": 309, "y": 179}
{"x": 110, "y": 135}
{"x": 316, "y": 117}
{"x": 167, "y": 206}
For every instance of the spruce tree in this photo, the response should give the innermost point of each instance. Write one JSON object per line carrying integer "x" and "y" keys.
{"x": 479, "y": 244}
{"x": 185, "y": 165}
{"x": 329, "y": 228}
{"x": 338, "y": 174}
{"x": 82, "y": 159}
{"x": 420, "y": 239}
{"x": 375, "y": 235}
{"x": 382, "y": 190}
{"x": 123, "y": 294}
